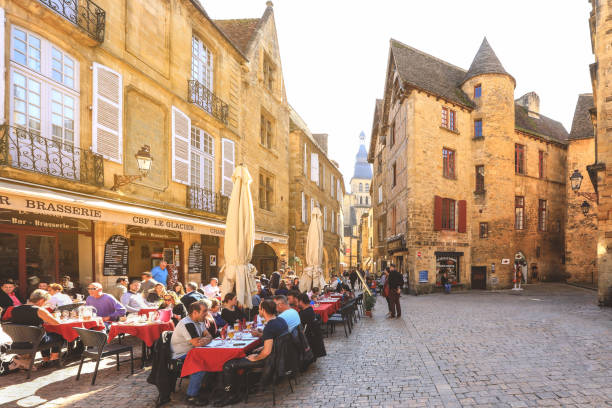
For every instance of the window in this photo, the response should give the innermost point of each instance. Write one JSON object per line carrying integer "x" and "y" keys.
{"x": 333, "y": 221}
{"x": 448, "y": 214}
{"x": 483, "y": 231}
{"x": 381, "y": 229}
{"x": 379, "y": 165}
{"x": 305, "y": 160}
{"x": 519, "y": 159}
{"x": 360, "y": 200}
{"x": 451, "y": 120}
{"x": 478, "y": 128}
{"x": 324, "y": 218}
{"x": 338, "y": 190}
{"x": 448, "y": 163}
{"x": 367, "y": 187}
{"x": 265, "y": 132}
{"x": 519, "y": 213}
{"x": 303, "y": 208}
{"x": 392, "y": 134}
{"x": 201, "y": 63}
{"x": 360, "y": 187}
{"x": 380, "y": 194}
{"x": 480, "y": 182}
{"x": 202, "y": 159}
{"x": 268, "y": 73}
{"x": 541, "y": 159}
{"x": 367, "y": 200}
{"x": 322, "y": 177}
{"x": 394, "y": 220}
{"x": 394, "y": 175}
{"x": 314, "y": 167}
{"x": 265, "y": 192}
{"x": 477, "y": 91}
{"x": 444, "y": 117}
{"x": 542, "y": 215}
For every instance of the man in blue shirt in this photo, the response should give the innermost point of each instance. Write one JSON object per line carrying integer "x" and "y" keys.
{"x": 160, "y": 273}
{"x": 285, "y": 312}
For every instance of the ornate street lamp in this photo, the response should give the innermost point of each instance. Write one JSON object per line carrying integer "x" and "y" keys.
{"x": 576, "y": 182}
{"x": 585, "y": 206}
{"x": 144, "y": 161}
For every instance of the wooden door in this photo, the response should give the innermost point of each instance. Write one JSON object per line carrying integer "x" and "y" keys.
{"x": 479, "y": 277}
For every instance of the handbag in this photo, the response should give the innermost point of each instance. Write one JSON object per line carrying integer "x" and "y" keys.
{"x": 386, "y": 289}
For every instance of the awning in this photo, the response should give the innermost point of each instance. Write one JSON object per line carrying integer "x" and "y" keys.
{"x": 39, "y": 200}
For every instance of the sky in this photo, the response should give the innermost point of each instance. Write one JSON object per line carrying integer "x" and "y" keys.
{"x": 334, "y": 52}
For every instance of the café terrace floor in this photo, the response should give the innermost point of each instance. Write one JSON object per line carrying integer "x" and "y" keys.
{"x": 547, "y": 346}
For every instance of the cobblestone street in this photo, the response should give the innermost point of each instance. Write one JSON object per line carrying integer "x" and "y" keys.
{"x": 548, "y": 346}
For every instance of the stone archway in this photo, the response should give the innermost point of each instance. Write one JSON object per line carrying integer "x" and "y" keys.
{"x": 264, "y": 259}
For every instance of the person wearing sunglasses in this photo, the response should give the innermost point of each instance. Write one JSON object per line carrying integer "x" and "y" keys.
{"x": 107, "y": 307}
{"x": 178, "y": 309}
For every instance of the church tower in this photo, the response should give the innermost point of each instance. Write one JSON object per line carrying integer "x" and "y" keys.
{"x": 358, "y": 200}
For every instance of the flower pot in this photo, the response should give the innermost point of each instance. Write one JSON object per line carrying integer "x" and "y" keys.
{"x": 368, "y": 313}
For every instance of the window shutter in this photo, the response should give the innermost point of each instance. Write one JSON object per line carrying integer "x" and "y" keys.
{"x": 107, "y": 113}
{"x": 462, "y": 216}
{"x": 303, "y": 208}
{"x": 314, "y": 167}
{"x": 227, "y": 166}
{"x": 305, "y": 160}
{"x": 2, "y": 68}
{"x": 437, "y": 213}
{"x": 181, "y": 148}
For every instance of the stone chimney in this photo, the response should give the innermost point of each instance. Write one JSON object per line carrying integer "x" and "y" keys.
{"x": 531, "y": 101}
{"x": 321, "y": 139}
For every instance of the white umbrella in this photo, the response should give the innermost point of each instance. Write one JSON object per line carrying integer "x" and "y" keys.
{"x": 313, "y": 273}
{"x": 239, "y": 240}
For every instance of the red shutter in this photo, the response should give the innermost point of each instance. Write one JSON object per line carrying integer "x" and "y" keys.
{"x": 462, "y": 214}
{"x": 437, "y": 213}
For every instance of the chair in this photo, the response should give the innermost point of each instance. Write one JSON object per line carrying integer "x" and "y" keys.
{"x": 359, "y": 304}
{"x": 96, "y": 347}
{"x": 345, "y": 317}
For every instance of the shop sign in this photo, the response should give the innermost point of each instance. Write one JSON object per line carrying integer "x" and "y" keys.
{"x": 269, "y": 238}
{"x": 116, "y": 256}
{"x": 8, "y": 217}
{"x": 505, "y": 261}
{"x": 396, "y": 244}
{"x": 152, "y": 233}
{"x": 194, "y": 261}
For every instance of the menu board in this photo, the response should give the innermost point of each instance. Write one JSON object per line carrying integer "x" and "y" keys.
{"x": 194, "y": 263}
{"x": 116, "y": 256}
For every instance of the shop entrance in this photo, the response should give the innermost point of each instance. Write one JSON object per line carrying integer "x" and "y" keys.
{"x": 264, "y": 259}
{"x": 448, "y": 262}
{"x": 479, "y": 277}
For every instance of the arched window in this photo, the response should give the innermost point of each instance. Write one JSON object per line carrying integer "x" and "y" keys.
{"x": 360, "y": 200}
{"x": 367, "y": 187}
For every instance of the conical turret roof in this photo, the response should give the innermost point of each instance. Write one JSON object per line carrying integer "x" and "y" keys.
{"x": 363, "y": 170}
{"x": 485, "y": 62}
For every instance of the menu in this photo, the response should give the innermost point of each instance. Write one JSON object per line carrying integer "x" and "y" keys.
{"x": 194, "y": 262}
{"x": 116, "y": 256}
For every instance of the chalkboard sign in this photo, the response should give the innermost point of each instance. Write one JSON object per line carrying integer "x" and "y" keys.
{"x": 194, "y": 263}
{"x": 423, "y": 276}
{"x": 116, "y": 256}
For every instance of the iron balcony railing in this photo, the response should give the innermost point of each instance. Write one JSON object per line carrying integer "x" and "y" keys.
{"x": 207, "y": 100}
{"x": 26, "y": 150}
{"x": 83, "y": 13}
{"x": 203, "y": 199}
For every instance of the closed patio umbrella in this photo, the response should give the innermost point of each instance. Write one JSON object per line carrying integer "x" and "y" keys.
{"x": 313, "y": 273}
{"x": 239, "y": 274}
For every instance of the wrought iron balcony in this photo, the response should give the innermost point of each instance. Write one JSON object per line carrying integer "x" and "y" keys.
{"x": 203, "y": 199}
{"x": 26, "y": 150}
{"x": 207, "y": 100}
{"x": 83, "y": 13}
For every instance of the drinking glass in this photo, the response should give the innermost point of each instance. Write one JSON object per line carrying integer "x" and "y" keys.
{"x": 65, "y": 314}
{"x": 230, "y": 334}
{"x": 57, "y": 315}
{"x": 236, "y": 326}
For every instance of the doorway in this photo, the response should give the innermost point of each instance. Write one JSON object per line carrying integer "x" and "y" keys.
{"x": 479, "y": 277}
{"x": 264, "y": 259}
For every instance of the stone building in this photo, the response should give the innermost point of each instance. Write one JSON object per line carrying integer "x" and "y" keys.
{"x": 86, "y": 101}
{"x": 314, "y": 181}
{"x": 472, "y": 181}
{"x": 600, "y": 170}
{"x": 366, "y": 241}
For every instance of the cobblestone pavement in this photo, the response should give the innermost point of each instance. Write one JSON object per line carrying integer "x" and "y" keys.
{"x": 547, "y": 346}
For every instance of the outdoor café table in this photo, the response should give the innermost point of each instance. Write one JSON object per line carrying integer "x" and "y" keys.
{"x": 212, "y": 357}
{"x": 148, "y": 332}
{"x": 66, "y": 328}
{"x": 324, "y": 310}
{"x": 146, "y": 311}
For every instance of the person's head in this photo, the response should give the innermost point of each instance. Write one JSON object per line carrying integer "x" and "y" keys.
{"x": 208, "y": 304}
{"x": 178, "y": 288}
{"x": 160, "y": 289}
{"x": 387, "y": 270}
{"x": 55, "y": 288}
{"x": 134, "y": 285}
{"x": 392, "y": 267}
{"x": 303, "y": 301}
{"x": 267, "y": 309}
{"x": 315, "y": 290}
{"x": 230, "y": 300}
{"x": 169, "y": 300}
{"x": 163, "y": 264}
{"x": 8, "y": 286}
{"x": 292, "y": 297}
{"x": 66, "y": 278}
{"x": 214, "y": 282}
{"x": 43, "y": 285}
{"x": 282, "y": 303}
{"x": 197, "y": 311}
{"x": 39, "y": 297}
{"x": 296, "y": 281}
{"x": 274, "y": 280}
{"x": 282, "y": 285}
{"x": 122, "y": 280}
{"x": 214, "y": 306}
{"x": 146, "y": 276}
{"x": 258, "y": 285}
{"x": 94, "y": 289}
{"x": 191, "y": 287}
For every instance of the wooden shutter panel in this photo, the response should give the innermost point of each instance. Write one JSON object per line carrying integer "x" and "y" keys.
{"x": 107, "y": 113}
{"x": 181, "y": 147}
{"x": 227, "y": 166}
{"x": 437, "y": 213}
{"x": 462, "y": 216}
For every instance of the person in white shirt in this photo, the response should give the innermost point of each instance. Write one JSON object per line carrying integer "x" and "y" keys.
{"x": 132, "y": 300}
{"x": 57, "y": 297}
{"x": 212, "y": 290}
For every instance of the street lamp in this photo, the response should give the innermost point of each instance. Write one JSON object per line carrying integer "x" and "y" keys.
{"x": 144, "y": 161}
{"x": 585, "y": 207}
{"x": 576, "y": 182}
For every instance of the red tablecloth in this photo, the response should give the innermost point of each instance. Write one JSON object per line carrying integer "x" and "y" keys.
{"x": 147, "y": 333}
{"x": 146, "y": 311}
{"x": 324, "y": 310}
{"x": 211, "y": 359}
{"x": 66, "y": 329}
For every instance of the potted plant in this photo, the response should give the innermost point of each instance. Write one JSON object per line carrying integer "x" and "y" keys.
{"x": 368, "y": 304}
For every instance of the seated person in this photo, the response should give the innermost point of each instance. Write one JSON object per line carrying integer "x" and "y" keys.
{"x": 212, "y": 290}
{"x": 190, "y": 333}
{"x": 8, "y": 296}
{"x": 292, "y": 297}
{"x": 209, "y": 321}
{"x": 156, "y": 295}
{"x": 147, "y": 283}
{"x": 132, "y": 300}
{"x": 231, "y": 379}
{"x": 178, "y": 309}
{"x": 215, "y": 305}
{"x": 57, "y": 297}
{"x": 231, "y": 313}
{"x": 107, "y": 307}
{"x": 306, "y": 313}
{"x": 285, "y": 312}
{"x": 192, "y": 294}
{"x": 34, "y": 314}
{"x": 282, "y": 289}
{"x": 312, "y": 329}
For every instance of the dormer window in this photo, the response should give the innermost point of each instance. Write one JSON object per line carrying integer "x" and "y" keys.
{"x": 269, "y": 72}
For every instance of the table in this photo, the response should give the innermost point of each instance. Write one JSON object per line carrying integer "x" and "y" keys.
{"x": 65, "y": 328}
{"x": 324, "y": 310}
{"x": 147, "y": 332}
{"x": 212, "y": 357}
{"x": 146, "y": 311}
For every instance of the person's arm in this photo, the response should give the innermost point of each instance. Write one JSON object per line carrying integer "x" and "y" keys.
{"x": 119, "y": 310}
{"x": 127, "y": 303}
{"x": 46, "y": 316}
{"x": 267, "y": 349}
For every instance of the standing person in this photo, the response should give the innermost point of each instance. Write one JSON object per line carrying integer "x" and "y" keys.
{"x": 395, "y": 286}
{"x": 212, "y": 290}
{"x": 107, "y": 307}
{"x": 282, "y": 289}
{"x": 121, "y": 286}
{"x": 353, "y": 279}
{"x": 147, "y": 283}
{"x": 160, "y": 272}
{"x": 384, "y": 284}
{"x": 8, "y": 296}
{"x": 444, "y": 281}
{"x": 57, "y": 297}
{"x": 274, "y": 282}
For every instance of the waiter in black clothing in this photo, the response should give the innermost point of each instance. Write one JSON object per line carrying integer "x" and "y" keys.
{"x": 396, "y": 281}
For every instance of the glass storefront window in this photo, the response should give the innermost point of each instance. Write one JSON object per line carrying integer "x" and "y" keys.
{"x": 448, "y": 264}
{"x": 9, "y": 257}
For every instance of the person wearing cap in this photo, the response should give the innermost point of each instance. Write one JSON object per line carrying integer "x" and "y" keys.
{"x": 147, "y": 283}
{"x": 107, "y": 307}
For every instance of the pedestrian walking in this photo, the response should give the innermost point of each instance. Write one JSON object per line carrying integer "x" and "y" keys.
{"x": 396, "y": 281}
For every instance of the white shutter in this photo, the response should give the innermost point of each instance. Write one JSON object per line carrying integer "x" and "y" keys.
{"x": 227, "y": 166}
{"x": 324, "y": 218}
{"x": 333, "y": 221}
{"x": 311, "y": 206}
{"x": 305, "y": 160}
{"x": 2, "y": 68}
{"x": 314, "y": 167}
{"x": 338, "y": 191}
{"x": 107, "y": 113}
{"x": 379, "y": 194}
{"x": 181, "y": 147}
{"x": 303, "y": 208}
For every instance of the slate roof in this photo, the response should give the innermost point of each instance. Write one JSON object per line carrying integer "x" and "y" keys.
{"x": 485, "y": 62}
{"x": 239, "y": 31}
{"x": 543, "y": 126}
{"x": 363, "y": 170}
{"x": 429, "y": 73}
{"x": 582, "y": 126}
